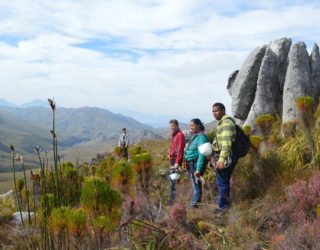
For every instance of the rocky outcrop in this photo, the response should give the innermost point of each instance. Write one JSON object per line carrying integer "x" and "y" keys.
{"x": 315, "y": 71}
{"x": 231, "y": 80}
{"x": 245, "y": 84}
{"x": 281, "y": 48}
{"x": 271, "y": 79}
{"x": 298, "y": 81}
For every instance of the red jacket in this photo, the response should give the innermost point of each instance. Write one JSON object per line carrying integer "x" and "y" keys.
{"x": 178, "y": 143}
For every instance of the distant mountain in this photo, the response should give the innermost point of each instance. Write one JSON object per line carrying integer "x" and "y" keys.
{"x": 154, "y": 120}
{"x": 4, "y": 103}
{"x": 35, "y": 103}
{"x": 76, "y": 128}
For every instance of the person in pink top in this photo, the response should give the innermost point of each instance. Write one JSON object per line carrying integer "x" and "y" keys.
{"x": 175, "y": 156}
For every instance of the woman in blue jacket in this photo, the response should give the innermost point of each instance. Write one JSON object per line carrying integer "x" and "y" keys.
{"x": 196, "y": 162}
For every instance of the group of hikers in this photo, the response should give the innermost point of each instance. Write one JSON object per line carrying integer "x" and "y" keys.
{"x": 222, "y": 157}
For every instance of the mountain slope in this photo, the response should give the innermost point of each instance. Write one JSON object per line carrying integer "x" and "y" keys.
{"x": 79, "y": 130}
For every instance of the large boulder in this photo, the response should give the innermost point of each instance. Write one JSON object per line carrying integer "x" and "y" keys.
{"x": 268, "y": 97}
{"x": 297, "y": 82}
{"x": 245, "y": 84}
{"x": 315, "y": 71}
{"x": 231, "y": 80}
{"x": 281, "y": 48}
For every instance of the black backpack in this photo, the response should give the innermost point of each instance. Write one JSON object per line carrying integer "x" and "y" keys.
{"x": 241, "y": 144}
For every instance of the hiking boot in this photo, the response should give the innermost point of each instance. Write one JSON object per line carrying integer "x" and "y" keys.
{"x": 220, "y": 211}
{"x": 193, "y": 206}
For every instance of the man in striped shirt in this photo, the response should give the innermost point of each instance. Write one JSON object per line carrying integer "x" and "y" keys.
{"x": 225, "y": 159}
{"x": 175, "y": 154}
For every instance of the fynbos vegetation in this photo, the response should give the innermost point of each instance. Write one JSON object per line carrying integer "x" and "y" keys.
{"x": 115, "y": 202}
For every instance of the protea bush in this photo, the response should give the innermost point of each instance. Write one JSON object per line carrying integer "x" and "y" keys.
{"x": 247, "y": 129}
{"x": 122, "y": 176}
{"x": 71, "y": 180}
{"x": 255, "y": 141}
{"x": 264, "y": 123}
{"x": 305, "y": 108}
{"x": 304, "y": 105}
{"x": 58, "y": 226}
{"x": 103, "y": 204}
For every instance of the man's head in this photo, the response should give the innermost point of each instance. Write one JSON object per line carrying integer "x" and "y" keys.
{"x": 124, "y": 130}
{"x": 174, "y": 125}
{"x": 218, "y": 110}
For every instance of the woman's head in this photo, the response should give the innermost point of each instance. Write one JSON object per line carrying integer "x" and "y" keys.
{"x": 196, "y": 125}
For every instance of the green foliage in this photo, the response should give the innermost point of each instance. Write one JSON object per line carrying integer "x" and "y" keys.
{"x": 304, "y": 103}
{"x": 247, "y": 129}
{"x": 136, "y": 150}
{"x": 117, "y": 150}
{"x": 71, "y": 181}
{"x": 295, "y": 152}
{"x": 58, "y": 220}
{"x": 20, "y": 185}
{"x": 264, "y": 122}
{"x": 105, "y": 168}
{"x": 122, "y": 175}
{"x": 255, "y": 141}
{"x": 77, "y": 221}
{"x": 141, "y": 161}
{"x": 6, "y": 210}
{"x": 289, "y": 129}
{"x": 98, "y": 197}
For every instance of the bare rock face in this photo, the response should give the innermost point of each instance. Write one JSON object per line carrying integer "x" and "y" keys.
{"x": 231, "y": 80}
{"x": 281, "y": 48}
{"x": 245, "y": 84}
{"x": 268, "y": 97}
{"x": 272, "y": 78}
{"x": 298, "y": 81}
{"x": 315, "y": 71}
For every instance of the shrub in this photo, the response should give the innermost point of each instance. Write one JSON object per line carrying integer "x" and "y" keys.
{"x": 98, "y": 197}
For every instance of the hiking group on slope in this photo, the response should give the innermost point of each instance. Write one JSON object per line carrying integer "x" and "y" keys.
{"x": 221, "y": 156}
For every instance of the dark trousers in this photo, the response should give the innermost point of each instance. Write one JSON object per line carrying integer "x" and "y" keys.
{"x": 223, "y": 183}
{"x": 196, "y": 184}
{"x": 172, "y": 191}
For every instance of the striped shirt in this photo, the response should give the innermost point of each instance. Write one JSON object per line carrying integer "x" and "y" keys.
{"x": 225, "y": 136}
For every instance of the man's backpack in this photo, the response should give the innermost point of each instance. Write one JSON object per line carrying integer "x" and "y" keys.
{"x": 241, "y": 144}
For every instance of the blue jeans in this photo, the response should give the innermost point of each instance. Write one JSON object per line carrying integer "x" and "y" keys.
{"x": 196, "y": 185}
{"x": 223, "y": 183}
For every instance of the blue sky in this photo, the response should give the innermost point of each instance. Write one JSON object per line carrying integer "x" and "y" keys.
{"x": 159, "y": 57}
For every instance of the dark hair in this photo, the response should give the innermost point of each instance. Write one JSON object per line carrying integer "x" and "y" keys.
{"x": 198, "y": 123}
{"x": 124, "y": 129}
{"x": 174, "y": 121}
{"x": 220, "y": 105}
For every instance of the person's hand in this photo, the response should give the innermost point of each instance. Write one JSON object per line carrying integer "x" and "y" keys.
{"x": 176, "y": 166}
{"x": 197, "y": 174}
{"x": 219, "y": 165}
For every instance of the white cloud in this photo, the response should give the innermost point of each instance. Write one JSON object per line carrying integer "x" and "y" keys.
{"x": 169, "y": 56}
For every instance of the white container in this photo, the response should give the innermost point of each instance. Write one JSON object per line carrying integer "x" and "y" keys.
{"x": 205, "y": 149}
{"x": 175, "y": 176}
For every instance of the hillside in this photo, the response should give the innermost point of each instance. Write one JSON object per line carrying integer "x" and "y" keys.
{"x": 78, "y": 129}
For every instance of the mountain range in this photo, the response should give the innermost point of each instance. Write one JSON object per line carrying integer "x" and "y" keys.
{"x": 81, "y": 130}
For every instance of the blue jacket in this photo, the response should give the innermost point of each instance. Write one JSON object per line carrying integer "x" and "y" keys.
{"x": 192, "y": 152}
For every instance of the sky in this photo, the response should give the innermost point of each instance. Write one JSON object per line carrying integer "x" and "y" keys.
{"x": 160, "y": 57}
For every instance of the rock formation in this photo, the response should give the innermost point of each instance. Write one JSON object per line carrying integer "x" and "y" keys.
{"x": 245, "y": 84}
{"x": 298, "y": 81}
{"x": 271, "y": 78}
